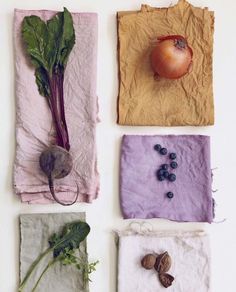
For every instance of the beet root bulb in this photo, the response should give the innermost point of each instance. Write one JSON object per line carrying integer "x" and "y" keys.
{"x": 56, "y": 163}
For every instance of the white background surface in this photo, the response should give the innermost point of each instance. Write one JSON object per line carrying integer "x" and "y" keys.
{"x": 104, "y": 214}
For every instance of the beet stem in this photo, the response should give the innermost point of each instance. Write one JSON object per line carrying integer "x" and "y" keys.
{"x": 51, "y": 187}
{"x": 56, "y": 101}
{"x": 62, "y": 104}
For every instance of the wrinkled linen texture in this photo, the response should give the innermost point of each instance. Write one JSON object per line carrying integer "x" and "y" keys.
{"x": 35, "y": 231}
{"x": 190, "y": 254}
{"x": 34, "y": 126}
{"x": 143, "y": 100}
{"x": 142, "y": 195}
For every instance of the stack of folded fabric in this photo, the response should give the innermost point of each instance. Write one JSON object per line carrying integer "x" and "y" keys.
{"x": 34, "y": 126}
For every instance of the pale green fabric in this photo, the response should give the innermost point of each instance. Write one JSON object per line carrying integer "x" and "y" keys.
{"x": 35, "y": 231}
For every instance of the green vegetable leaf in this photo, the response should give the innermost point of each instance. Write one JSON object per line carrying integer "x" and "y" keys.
{"x": 48, "y": 45}
{"x": 42, "y": 82}
{"x": 35, "y": 35}
{"x": 67, "y": 39}
{"x": 61, "y": 29}
{"x": 87, "y": 269}
{"x": 68, "y": 257}
{"x": 71, "y": 237}
{"x": 55, "y": 29}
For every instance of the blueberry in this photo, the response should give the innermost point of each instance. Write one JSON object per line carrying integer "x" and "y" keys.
{"x": 161, "y": 177}
{"x": 172, "y": 156}
{"x": 166, "y": 174}
{"x": 174, "y": 165}
{"x": 170, "y": 195}
{"x": 172, "y": 177}
{"x": 165, "y": 166}
{"x": 157, "y": 147}
{"x": 161, "y": 172}
{"x": 163, "y": 151}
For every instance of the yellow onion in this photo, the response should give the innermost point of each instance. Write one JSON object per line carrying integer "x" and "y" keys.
{"x": 171, "y": 57}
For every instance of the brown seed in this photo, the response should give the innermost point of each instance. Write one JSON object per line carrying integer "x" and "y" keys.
{"x": 148, "y": 261}
{"x": 166, "y": 280}
{"x": 163, "y": 263}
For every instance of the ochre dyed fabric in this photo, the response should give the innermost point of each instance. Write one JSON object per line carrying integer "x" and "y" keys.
{"x": 142, "y": 99}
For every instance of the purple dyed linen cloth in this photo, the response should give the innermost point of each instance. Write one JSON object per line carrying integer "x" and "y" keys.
{"x": 142, "y": 195}
{"x": 34, "y": 126}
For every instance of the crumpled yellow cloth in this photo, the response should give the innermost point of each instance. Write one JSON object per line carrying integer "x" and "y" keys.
{"x": 142, "y": 99}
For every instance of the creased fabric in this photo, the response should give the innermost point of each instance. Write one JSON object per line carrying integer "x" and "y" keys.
{"x": 190, "y": 254}
{"x": 34, "y": 126}
{"x": 145, "y": 101}
{"x": 142, "y": 195}
{"x": 35, "y": 230}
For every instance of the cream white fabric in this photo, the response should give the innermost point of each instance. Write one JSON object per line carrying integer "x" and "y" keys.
{"x": 190, "y": 261}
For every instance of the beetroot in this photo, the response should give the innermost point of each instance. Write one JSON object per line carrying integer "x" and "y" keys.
{"x": 56, "y": 163}
{"x": 49, "y": 45}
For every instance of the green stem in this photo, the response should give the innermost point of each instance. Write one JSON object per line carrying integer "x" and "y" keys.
{"x": 51, "y": 263}
{"x": 85, "y": 270}
{"x": 31, "y": 269}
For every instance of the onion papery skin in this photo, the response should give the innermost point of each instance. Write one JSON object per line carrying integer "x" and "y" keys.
{"x": 171, "y": 57}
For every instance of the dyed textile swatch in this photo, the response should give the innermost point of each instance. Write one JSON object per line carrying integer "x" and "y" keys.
{"x": 143, "y": 100}
{"x": 142, "y": 195}
{"x": 34, "y": 126}
{"x": 35, "y": 230}
{"x": 190, "y": 254}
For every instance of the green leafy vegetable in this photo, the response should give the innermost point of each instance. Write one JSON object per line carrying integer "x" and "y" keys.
{"x": 70, "y": 258}
{"x": 64, "y": 247}
{"x": 69, "y": 239}
{"x": 49, "y": 45}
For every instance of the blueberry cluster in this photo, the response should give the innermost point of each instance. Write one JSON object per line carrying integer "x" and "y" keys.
{"x": 163, "y": 173}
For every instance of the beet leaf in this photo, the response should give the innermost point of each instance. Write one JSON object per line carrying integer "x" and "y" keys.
{"x": 49, "y": 45}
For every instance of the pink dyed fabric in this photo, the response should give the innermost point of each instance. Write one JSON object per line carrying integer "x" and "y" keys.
{"x": 34, "y": 127}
